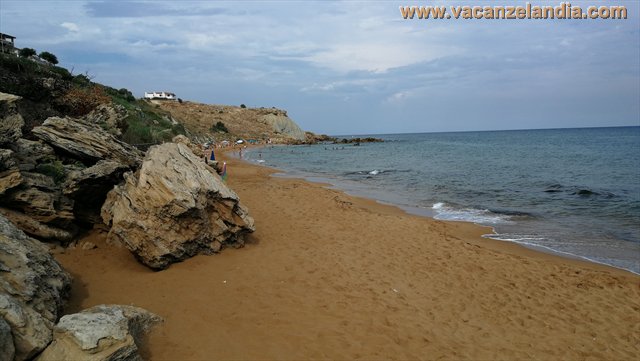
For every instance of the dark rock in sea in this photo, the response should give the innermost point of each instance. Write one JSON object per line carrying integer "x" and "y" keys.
{"x": 174, "y": 207}
{"x": 33, "y": 290}
{"x": 585, "y": 193}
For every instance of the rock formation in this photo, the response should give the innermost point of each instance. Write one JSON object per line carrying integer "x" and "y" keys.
{"x": 100, "y": 333}
{"x": 85, "y": 141}
{"x": 282, "y": 124}
{"x": 50, "y": 187}
{"x": 174, "y": 207}
{"x": 33, "y": 288}
{"x": 11, "y": 121}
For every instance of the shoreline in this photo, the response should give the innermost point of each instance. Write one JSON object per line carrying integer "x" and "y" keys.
{"x": 419, "y": 212}
{"x": 332, "y": 276}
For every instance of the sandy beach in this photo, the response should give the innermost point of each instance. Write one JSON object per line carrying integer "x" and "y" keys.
{"x": 331, "y": 276}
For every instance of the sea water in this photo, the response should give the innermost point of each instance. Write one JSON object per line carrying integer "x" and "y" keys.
{"x": 571, "y": 191}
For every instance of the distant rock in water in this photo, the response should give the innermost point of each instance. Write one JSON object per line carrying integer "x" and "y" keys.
{"x": 174, "y": 207}
{"x": 585, "y": 193}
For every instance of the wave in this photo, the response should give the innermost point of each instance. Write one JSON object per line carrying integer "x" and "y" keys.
{"x": 447, "y": 212}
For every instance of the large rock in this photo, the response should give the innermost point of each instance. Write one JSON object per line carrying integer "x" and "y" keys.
{"x": 100, "y": 333}
{"x": 11, "y": 121}
{"x": 85, "y": 141}
{"x": 174, "y": 207}
{"x": 33, "y": 289}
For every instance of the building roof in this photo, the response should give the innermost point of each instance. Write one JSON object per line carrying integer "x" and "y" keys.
{"x": 6, "y": 36}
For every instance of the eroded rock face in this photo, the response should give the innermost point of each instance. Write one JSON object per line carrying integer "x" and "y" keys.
{"x": 109, "y": 116}
{"x": 11, "y": 121}
{"x": 88, "y": 188}
{"x": 7, "y": 350}
{"x": 85, "y": 141}
{"x": 173, "y": 208}
{"x": 53, "y": 186}
{"x": 284, "y": 125}
{"x": 100, "y": 333}
{"x": 33, "y": 289}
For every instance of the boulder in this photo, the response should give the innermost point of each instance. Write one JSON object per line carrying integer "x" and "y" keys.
{"x": 174, "y": 207}
{"x": 33, "y": 290}
{"x": 7, "y": 350}
{"x": 100, "y": 333}
{"x": 11, "y": 121}
{"x": 86, "y": 142}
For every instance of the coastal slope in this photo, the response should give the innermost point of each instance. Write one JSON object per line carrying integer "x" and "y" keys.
{"x": 328, "y": 275}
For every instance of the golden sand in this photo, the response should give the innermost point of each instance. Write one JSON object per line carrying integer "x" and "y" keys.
{"x": 330, "y": 276}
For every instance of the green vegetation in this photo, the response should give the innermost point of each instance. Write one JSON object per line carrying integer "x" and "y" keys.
{"x": 49, "y": 57}
{"x": 26, "y": 52}
{"x": 243, "y": 106}
{"x": 219, "y": 127}
{"x": 77, "y": 95}
{"x": 53, "y": 169}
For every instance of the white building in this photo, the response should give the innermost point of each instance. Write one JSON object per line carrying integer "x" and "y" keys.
{"x": 160, "y": 95}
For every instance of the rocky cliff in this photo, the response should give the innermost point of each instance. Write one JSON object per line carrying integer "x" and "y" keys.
{"x": 241, "y": 123}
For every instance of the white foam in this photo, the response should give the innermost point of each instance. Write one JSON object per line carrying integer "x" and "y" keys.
{"x": 375, "y": 171}
{"x": 480, "y": 216}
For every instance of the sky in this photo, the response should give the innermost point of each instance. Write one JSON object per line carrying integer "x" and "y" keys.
{"x": 351, "y": 67}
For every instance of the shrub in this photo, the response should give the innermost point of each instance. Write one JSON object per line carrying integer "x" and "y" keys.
{"x": 219, "y": 127}
{"x": 53, "y": 169}
{"x": 79, "y": 101}
{"x": 26, "y": 52}
{"x": 49, "y": 57}
{"x": 242, "y": 106}
{"x": 179, "y": 100}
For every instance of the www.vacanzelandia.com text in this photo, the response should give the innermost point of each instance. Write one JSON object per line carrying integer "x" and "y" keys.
{"x": 527, "y": 11}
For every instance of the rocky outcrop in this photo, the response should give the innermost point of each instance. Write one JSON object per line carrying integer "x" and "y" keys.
{"x": 100, "y": 333}
{"x": 85, "y": 141}
{"x": 282, "y": 124}
{"x": 111, "y": 117}
{"x": 174, "y": 207}
{"x": 33, "y": 289}
{"x": 52, "y": 186}
{"x": 11, "y": 121}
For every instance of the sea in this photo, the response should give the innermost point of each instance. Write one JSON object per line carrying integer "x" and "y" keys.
{"x": 573, "y": 192}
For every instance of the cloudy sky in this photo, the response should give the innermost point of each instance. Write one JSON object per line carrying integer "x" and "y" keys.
{"x": 347, "y": 67}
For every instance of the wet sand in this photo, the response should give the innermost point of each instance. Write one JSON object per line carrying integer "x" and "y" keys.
{"x": 331, "y": 276}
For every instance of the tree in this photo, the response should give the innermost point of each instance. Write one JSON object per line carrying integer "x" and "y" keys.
{"x": 26, "y": 52}
{"x": 242, "y": 106}
{"x": 49, "y": 57}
